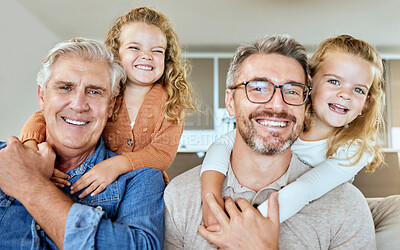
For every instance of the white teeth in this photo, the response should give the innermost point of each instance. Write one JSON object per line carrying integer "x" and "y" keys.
{"x": 273, "y": 123}
{"x": 144, "y": 67}
{"x": 339, "y": 106}
{"x": 75, "y": 122}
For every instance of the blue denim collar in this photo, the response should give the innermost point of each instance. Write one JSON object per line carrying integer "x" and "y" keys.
{"x": 99, "y": 155}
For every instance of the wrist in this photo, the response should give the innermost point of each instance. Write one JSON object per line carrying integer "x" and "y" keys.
{"x": 29, "y": 192}
{"x": 124, "y": 165}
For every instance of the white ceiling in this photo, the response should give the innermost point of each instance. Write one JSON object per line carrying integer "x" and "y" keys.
{"x": 220, "y": 25}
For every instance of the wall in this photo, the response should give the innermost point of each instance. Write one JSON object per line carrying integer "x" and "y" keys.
{"x": 24, "y": 43}
{"x": 395, "y": 92}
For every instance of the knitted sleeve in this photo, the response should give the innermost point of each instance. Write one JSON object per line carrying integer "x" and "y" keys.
{"x": 161, "y": 151}
{"x": 34, "y": 128}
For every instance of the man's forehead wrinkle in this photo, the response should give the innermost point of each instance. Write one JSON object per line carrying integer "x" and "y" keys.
{"x": 250, "y": 70}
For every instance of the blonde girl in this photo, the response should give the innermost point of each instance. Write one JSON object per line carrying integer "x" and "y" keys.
{"x": 148, "y": 118}
{"x": 340, "y": 133}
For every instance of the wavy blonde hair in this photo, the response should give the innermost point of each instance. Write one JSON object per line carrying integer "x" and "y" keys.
{"x": 174, "y": 78}
{"x": 364, "y": 129}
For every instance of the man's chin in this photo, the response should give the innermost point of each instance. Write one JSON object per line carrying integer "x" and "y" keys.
{"x": 270, "y": 147}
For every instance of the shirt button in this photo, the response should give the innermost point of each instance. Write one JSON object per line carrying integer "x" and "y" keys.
{"x": 99, "y": 208}
{"x": 129, "y": 142}
{"x": 37, "y": 227}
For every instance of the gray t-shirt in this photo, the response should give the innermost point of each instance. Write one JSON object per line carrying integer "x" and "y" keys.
{"x": 340, "y": 219}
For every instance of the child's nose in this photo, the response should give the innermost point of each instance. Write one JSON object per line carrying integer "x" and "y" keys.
{"x": 345, "y": 94}
{"x": 146, "y": 55}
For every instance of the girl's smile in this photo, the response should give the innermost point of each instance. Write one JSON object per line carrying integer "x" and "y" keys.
{"x": 340, "y": 89}
{"x": 142, "y": 53}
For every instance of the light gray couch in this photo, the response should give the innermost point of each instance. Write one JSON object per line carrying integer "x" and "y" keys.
{"x": 382, "y": 189}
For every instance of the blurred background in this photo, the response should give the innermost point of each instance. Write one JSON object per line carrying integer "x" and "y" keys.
{"x": 209, "y": 31}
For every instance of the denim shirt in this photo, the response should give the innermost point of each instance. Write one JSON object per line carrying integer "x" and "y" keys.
{"x": 128, "y": 214}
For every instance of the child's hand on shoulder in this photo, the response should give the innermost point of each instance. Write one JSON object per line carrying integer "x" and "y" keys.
{"x": 101, "y": 175}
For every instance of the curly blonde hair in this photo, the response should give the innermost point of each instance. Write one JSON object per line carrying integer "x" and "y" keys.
{"x": 364, "y": 129}
{"x": 174, "y": 78}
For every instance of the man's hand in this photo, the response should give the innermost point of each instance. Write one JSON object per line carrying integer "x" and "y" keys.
{"x": 20, "y": 165}
{"x": 245, "y": 228}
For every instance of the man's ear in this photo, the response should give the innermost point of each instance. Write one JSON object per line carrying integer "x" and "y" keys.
{"x": 41, "y": 97}
{"x": 229, "y": 102}
{"x": 111, "y": 107}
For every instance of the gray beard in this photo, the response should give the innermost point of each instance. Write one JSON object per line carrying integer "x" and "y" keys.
{"x": 257, "y": 144}
{"x": 270, "y": 146}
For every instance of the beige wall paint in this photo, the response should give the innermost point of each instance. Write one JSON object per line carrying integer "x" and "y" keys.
{"x": 395, "y": 92}
{"x": 24, "y": 42}
{"x": 202, "y": 78}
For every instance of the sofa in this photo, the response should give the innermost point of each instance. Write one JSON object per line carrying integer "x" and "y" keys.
{"x": 382, "y": 190}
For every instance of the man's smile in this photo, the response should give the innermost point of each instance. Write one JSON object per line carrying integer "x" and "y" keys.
{"x": 74, "y": 122}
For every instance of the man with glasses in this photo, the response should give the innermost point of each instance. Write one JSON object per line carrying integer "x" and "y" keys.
{"x": 267, "y": 88}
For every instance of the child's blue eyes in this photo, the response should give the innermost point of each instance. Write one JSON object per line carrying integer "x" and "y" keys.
{"x": 335, "y": 82}
{"x": 360, "y": 91}
{"x": 356, "y": 89}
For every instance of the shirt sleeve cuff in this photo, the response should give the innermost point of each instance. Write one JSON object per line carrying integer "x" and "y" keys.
{"x": 81, "y": 227}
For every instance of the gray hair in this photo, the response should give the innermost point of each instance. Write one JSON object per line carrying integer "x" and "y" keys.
{"x": 86, "y": 49}
{"x": 278, "y": 44}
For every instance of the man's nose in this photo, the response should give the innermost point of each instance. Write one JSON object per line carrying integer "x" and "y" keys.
{"x": 276, "y": 102}
{"x": 79, "y": 102}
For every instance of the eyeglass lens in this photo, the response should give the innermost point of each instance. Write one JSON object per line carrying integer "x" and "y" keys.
{"x": 262, "y": 91}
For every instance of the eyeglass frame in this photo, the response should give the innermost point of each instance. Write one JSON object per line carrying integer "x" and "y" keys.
{"x": 245, "y": 83}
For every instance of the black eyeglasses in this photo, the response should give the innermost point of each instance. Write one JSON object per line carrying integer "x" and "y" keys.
{"x": 293, "y": 93}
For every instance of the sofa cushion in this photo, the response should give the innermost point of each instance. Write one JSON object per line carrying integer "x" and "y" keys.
{"x": 386, "y": 215}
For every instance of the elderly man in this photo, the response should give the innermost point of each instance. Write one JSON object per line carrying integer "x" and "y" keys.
{"x": 262, "y": 162}
{"x": 78, "y": 83}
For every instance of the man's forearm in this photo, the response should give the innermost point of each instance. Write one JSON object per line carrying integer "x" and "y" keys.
{"x": 49, "y": 207}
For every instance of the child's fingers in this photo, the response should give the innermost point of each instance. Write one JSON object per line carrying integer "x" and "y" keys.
{"x": 88, "y": 190}
{"x": 59, "y": 185}
{"x": 61, "y": 181}
{"x": 99, "y": 189}
{"x": 83, "y": 182}
{"x": 60, "y": 174}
